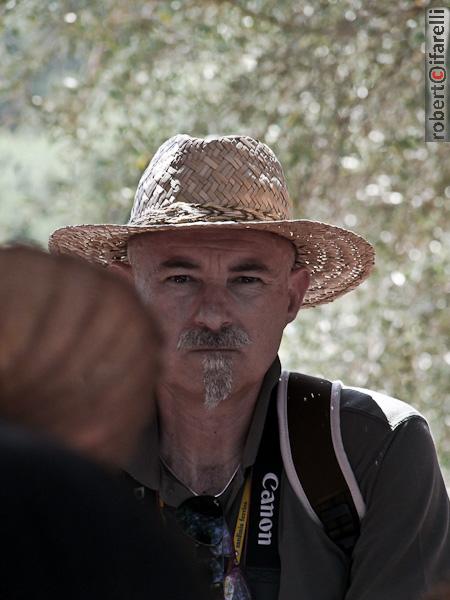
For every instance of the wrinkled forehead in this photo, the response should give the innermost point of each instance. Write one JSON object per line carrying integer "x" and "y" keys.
{"x": 231, "y": 242}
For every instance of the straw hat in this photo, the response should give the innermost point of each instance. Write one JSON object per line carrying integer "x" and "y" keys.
{"x": 228, "y": 182}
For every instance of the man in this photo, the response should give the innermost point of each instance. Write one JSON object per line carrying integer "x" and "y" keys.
{"x": 78, "y": 364}
{"x": 211, "y": 246}
{"x": 441, "y": 592}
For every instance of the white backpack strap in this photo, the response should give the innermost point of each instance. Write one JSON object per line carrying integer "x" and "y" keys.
{"x": 341, "y": 455}
{"x": 338, "y": 445}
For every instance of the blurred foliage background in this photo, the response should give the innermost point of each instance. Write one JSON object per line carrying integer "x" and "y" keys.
{"x": 89, "y": 90}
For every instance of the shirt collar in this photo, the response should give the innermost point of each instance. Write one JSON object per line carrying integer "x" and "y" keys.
{"x": 145, "y": 466}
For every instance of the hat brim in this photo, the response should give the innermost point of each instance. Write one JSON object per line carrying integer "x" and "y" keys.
{"x": 338, "y": 259}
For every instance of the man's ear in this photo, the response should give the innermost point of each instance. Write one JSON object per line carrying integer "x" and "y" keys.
{"x": 299, "y": 280}
{"x": 122, "y": 270}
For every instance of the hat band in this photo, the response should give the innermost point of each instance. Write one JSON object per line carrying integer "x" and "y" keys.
{"x": 183, "y": 212}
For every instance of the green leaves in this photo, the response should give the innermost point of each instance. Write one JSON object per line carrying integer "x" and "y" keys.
{"x": 334, "y": 88}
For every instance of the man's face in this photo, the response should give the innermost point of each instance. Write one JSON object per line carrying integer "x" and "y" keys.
{"x": 223, "y": 299}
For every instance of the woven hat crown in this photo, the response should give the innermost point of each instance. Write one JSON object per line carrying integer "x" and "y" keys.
{"x": 234, "y": 182}
{"x": 235, "y": 178}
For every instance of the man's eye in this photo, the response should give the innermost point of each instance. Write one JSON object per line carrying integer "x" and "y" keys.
{"x": 179, "y": 278}
{"x": 247, "y": 280}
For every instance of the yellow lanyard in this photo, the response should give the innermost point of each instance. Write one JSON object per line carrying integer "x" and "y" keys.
{"x": 242, "y": 521}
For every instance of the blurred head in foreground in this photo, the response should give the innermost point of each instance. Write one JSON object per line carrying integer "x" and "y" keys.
{"x": 440, "y": 592}
{"x": 78, "y": 353}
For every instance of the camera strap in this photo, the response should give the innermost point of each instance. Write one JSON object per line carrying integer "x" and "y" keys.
{"x": 262, "y": 540}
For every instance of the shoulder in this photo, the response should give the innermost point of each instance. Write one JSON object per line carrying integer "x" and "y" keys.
{"x": 386, "y": 411}
{"x": 65, "y": 490}
{"x": 357, "y": 404}
{"x": 71, "y": 514}
{"x": 35, "y": 463}
{"x": 370, "y": 421}
{"x": 371, "y": 425}
{"x": 377, "y": 428}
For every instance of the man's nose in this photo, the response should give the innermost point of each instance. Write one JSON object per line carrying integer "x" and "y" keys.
{"x": 213, "y": 308}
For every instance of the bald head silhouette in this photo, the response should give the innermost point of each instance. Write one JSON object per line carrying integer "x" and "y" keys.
{"x": 78, "y": 353}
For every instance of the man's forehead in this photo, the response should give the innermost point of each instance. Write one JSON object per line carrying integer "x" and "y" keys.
{"x": 232, "y": 241}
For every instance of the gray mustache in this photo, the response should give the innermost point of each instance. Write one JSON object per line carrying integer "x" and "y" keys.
{"x": 230, "y": 337}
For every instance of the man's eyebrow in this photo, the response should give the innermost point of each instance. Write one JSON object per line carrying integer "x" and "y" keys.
{"x": 178, "y": 262}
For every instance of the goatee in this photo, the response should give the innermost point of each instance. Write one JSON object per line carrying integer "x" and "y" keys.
{"x": 217, "y": 378}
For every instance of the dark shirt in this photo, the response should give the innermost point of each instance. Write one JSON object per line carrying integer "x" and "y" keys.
{"x": 69, "y": 529}
{"x": 404, "y": 545}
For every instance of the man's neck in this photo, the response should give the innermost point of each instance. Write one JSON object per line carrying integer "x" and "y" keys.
{"x": 202, "y": 446}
